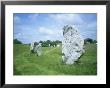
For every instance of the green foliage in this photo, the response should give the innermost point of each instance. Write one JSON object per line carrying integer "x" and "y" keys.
{"x": 36, "y": 43}
{"x": 16, "y": 41}
{"x": 94, "y": 41}
{"x": 52, "y": 43}
{"x": 49, "y": 63}
{"x": 89, "y": 40}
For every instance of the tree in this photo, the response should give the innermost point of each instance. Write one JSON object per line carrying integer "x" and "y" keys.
{"x": 89, "y": 40}
{"x": 57, "y": 41}
{"x": 40, "y": 41}
{"x": 95, "y": 41}
{"x": 16, "y": 41}
{"x": 36, "y": 43}
{"x": 47, "y": 42}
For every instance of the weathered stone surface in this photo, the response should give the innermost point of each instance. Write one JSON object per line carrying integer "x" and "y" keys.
{"x": 72, "y": 45}
{"x": 36, "y": 48}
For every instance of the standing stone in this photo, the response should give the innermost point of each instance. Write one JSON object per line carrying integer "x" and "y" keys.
{"x": 72, "y": 45}
{"x": 49, "y": 45}
{"x": 32, "y": 47}
{"x": 58, "y": 45}
{"x": 38, "y": 49}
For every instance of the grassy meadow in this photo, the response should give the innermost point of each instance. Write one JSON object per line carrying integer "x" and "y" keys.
{"x": 49, "y": 63}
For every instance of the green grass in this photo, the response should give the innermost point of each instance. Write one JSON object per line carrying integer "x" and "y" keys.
{"x": 50, "y": 62}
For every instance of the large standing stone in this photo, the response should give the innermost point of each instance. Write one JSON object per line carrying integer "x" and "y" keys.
{"x": 72, "y": 45}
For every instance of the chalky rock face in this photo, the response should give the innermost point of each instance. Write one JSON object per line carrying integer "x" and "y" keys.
{"x": 72, "y": 45}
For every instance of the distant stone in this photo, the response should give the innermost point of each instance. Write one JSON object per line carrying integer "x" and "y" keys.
{"x": 58, "y": 45}
{"x": 32, "y": 47}
{"x": 49, "y": 45}
{"x": 72, "y": 45}
{"x": 36, "y": 48}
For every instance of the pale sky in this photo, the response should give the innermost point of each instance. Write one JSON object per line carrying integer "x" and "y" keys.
{"x": 31, "y": 27}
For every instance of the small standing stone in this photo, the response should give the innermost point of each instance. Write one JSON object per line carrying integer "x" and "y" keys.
{"x": 32, "y": 47}
{"x": 49, "y": 45}
{"x": 36, "y": 48}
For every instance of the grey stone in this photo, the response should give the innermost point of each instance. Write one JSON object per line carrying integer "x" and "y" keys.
{"x": 36, "y": 49}
{"x": 72, "y": 45}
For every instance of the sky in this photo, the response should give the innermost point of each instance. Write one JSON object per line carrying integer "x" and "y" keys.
{"x": 33, "y": 27}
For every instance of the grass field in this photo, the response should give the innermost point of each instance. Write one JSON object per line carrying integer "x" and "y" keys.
{"x": 50, "y": 62}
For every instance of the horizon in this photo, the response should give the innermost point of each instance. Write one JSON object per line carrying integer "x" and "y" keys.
{"x": 46, "y": 40}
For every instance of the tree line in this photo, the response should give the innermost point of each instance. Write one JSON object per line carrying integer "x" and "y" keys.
{"x": 89, "y": 40}
{"x": 54, "y": 43}
{"x": 43, "y": 43}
